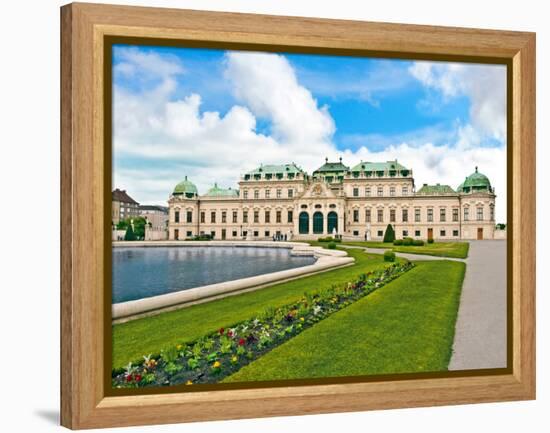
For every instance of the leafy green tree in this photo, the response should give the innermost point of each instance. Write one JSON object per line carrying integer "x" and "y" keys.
{"x": 130, "y": 235}
{"x": 389, "y": 235}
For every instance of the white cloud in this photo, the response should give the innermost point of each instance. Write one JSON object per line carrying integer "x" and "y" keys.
{"x": 484, "y": 85}
{"x": 170, "y": 137}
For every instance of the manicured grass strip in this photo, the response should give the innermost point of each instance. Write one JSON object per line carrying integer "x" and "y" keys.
{"x": 406, "y": 326}
{"x": 133, "y": 339}
{"x": 458, "y": 250}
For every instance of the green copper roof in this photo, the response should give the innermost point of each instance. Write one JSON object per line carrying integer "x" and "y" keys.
{"x": 185, "y": 187}
{"x": 436, "y": 189}
{"x": 216, "y": 191}
{"x": 332, "y": 167}
{"x": 475, "y": 182}
{"x": 379, "y": 166}
{"x": 276, "y": 169}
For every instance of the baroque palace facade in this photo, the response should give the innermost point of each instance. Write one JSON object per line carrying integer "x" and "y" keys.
{"x": 285, "y": 202}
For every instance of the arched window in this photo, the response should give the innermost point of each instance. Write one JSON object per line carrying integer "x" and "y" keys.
{"x": 303, "y": 223}
{"x": 332, "y": 222}
{"x": 318, "y": 222}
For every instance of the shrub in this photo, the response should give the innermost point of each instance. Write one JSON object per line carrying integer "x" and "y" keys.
{"x": 398, "y": 242}
{"x": 418, "y": 242}
{"x": 389, "y": 235}
{"x": 389, "y": 256}
{"x": 331, "y": 245}
{"x": 327, "y": 239}
{"x": 130, "y": 235}
{"x": 408, "y": 241}
{"x": 430, "y": 241}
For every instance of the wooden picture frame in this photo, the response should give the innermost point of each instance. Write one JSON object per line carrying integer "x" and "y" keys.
{"x": 85, "y": 184}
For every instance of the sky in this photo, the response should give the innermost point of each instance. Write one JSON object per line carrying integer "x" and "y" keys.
{"x": 212, "y": 115}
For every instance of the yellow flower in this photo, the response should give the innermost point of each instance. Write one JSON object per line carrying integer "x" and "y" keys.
{"x": 189, "y": 382}
{"x": 179, "y": 346}
{"x": 302, "y": 319}
{"x": 234, "y": 359}
{"x": 217, "y": 364}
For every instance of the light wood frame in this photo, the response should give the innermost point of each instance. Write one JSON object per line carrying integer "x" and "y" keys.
{"x": 84, "y": 403}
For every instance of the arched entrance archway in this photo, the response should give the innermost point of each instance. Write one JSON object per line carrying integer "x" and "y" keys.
{"x": 303, "y": 223}
{"x": 318, "y": 223}
{"x": 332, "y": 222}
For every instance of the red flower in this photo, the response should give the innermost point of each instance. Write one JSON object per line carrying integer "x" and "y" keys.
{"x": 129, "y": 378}
{"x": 241, "y": 342}
{"x": 221, "y": 331}
{"x": 230, "y": 333}
{"x": 137, "y": 377}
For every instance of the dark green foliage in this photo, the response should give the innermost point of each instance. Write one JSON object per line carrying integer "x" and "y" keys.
{"x": 328, "y": 239}
{"x": 389, "y": 235}
{"x": 331, "y": 246}
{"x": 398, "y": 242}
{"x": 430, "y": 241}
{"x": 130, "y": 235}
{"x": 418, "y": 242}
{"x": 407, "y": 242}
{"x": 389, "y": 256}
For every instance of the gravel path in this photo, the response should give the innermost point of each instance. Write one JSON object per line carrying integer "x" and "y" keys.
{"x": 480, "y": 333}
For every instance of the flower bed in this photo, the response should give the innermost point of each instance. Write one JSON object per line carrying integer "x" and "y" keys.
{"x": 216, "y": 356}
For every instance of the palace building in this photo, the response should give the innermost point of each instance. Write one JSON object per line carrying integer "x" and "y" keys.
{"x": 285, "y": 202}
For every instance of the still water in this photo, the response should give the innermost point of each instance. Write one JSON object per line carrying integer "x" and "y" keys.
{"x": 144, "y": 272}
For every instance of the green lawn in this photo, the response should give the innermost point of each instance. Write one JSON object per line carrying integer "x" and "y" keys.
{"x": 457, "y": 250}
{"x": 406, "y": 326}
{"x": 140, "y": 337}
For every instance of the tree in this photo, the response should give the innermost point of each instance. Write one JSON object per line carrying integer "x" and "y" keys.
{"x": 130, "y": 235}
{"x": 389, "y": 236}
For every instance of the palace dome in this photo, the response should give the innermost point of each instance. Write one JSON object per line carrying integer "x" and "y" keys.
{"x": 187, "y": 188}
{"x": 475, "y": 182}
{"x": 216, "y": 191}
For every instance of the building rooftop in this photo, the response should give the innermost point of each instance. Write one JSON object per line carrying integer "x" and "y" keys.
{"x": 475, "y": 182}
{"x": 216, "y": 191}
{"x": 186, "y": 187}
{"x": 332, "y": 167}
{"x": 122, "y": 196}
{"x": 436, "y": 189}
{"x": 387, "y": 166}
{"x": 152, "y": 207}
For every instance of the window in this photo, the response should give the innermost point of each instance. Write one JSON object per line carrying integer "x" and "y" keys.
{"x": 224, "y": 217}
{"x": 479, "y": 213}
{"x": 189, "y": 216}
{"x": 256, "y": 233}
{"x": 492, "y": 212}
{"x": 256, "y": 193}
{"x": 177, "y": 216}
{"x": 279, "y": 193}
{"x": 466, "y": 214}
{"x": 367, "y": 216}
{"x": 380, "y": 191}
{"x": 234, "y": 216}
{"x": 256, "y": 216}
{"x": 234, "y": 233}
{"x": 405, "y": 215}
{"x": 278, "y": 217}
{"x": 392, "y": 215}
{"x": 392, "y": 191}
{"x": 355, "y": 215}
{"x": 245, "y": 233}
{"x": 203, "y": 217}
{"x": 189, "y": 234}
{"x": 442, "y": 215}
{"x": 213, "y": 217}
{"x": 245, "y": 194}
{"x": 367, "y": 191}
{"x": 356, "y": 192}
{"x": 290, "y": 193}
{"x": 356, "y": 233}
{"x": 245, "y": 216}
{"x": 267, "y": 216}
{"x": 212, "y": 234}
{"x": 430, "y": 215}
{"x": 380, "y": 233}
{"x": 405, "y": 233}
{"x": 455, "y": 215}
{"x": 266, "y": 233}
{"x": 405, "y": 190}
{"x": 289, "y": 216}
{"x": 442, "y": 233}
{"x": 267, "y": 193}
{"x": 417, "y": 232}
{"x": 417, "y": 215}
{"x": 455, "y": 232}
{"x": 176, "y": 234}
{"x": 380, "y": 215}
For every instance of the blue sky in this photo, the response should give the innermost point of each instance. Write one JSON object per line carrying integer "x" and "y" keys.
{"x": 213, "y": 114}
